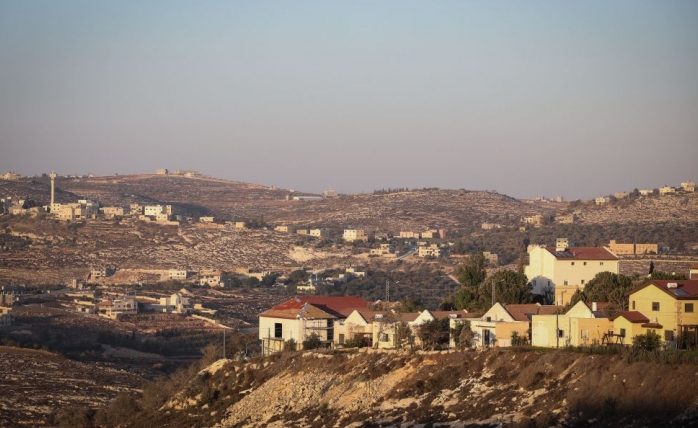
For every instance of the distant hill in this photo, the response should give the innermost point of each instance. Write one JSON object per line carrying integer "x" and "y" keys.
{"x": 670, "y": 221}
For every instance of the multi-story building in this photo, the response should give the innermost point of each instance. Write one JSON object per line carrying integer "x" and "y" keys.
{"x": 688, "y": 186}
{"x": 564, "y": 270}
{"x": 154, "y": 210}
{"x": 667, "y": 307}
{"x": 632, "y": 249}
{"x": 319, "y": 233}
{"x": 178, "y": 275}
{"x": 351, "y": 235}
{"x": 7, "y": 316}
{"x": 111, "y": 212}
{"x": 408, "y": 235}
{"x": 667, "y": 190}
{"x": 432, "y": 250}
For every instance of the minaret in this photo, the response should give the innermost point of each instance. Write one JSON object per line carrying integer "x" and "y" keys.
{"x": 53, "y": 186}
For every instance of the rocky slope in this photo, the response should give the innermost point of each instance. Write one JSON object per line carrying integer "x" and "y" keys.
{"x": 451, "y": 388}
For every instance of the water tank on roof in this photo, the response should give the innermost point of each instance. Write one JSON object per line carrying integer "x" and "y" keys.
{"x": 672, "y": 285}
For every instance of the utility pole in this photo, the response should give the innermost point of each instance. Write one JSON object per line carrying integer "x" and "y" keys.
{"x": 493, "y": 300}
{"x": 224, "y": 344}
{"x": 387, "y": 291}
{"x": 557, "y": 321}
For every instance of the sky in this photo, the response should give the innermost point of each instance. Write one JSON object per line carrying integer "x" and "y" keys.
{"x": 534, "y": 98}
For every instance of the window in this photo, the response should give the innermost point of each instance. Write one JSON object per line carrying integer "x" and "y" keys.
{"x": 278, "y": 330}
{"x": 582, "y": 282}
{"x": 384, "y": 337}
{"x": 622, "y": 332}
{"x": 572, "y": 263}
{"x": 330, "y": 330}
{"x": 585, "y": 334}
{"x": 668, "y": 335}
{"x": 688, "y": 307}
{"x": 566, "y": 282}
{"x": 585, "y": 263}
{"x": 341, "y": 339}
{"x": 633, "y": 305}
{"x": 655, "y": 306}
{"x": 560, "y": 333}
{"x": 600, "y": 263}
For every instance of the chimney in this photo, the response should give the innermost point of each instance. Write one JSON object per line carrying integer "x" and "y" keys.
{"x": 594, "y": 307}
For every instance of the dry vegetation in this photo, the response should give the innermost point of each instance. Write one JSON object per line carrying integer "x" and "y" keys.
{"x": 451, "y": 389}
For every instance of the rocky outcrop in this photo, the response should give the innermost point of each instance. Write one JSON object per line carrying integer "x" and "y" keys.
{"x": 451, "y": 388}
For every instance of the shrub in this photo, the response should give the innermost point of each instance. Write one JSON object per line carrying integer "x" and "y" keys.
{"x": 290, "y": 345}
{"x": 649, "y": 341}
{"x": 312, "y": 342}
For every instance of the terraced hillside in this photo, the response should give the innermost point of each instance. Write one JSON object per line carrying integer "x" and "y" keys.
{"x": 413, "y": 210}
{"x": 48, "y": 251}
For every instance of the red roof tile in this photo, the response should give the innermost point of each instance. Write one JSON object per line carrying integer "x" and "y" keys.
{"x": 632, "y": 316}
{"x": 686, "y": 289}
{"x": 336, "y": 306}
{"x": 652, "y": 325}
{"x": 520, "y": 312}
{"x": 582, "y": 253}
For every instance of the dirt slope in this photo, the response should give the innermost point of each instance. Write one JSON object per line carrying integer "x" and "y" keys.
{"x": 449, "y": 388}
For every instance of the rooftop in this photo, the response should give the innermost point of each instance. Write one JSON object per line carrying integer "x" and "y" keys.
{"x": 582, "y": 253}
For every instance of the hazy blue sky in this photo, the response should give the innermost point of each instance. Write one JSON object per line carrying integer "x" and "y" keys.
{"x": 527, "y": 98}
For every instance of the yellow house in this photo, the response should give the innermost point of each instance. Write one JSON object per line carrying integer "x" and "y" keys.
{"x": 359, "y": 325}
{"x": 499, "y": 322}
{"x": 627, "y": 325}
{"x": 671, "y": 306}
{"x": 583, "y": 324}
{"x": 566, "y": 269}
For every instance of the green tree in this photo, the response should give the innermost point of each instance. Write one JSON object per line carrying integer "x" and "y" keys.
{"x": 434, "y": 334}
{"x": 472, "y": 272}
{"x": 298, "y": 276}
{"x": 410, "y": 304}
{"x": 510, "y": 287}
{"x": 463, "y": 335}
{"x": 608, "y": 287}
{"x": 649, "y": 341}
{"x": 659, "y": 275}
{"x": 252, "y": 281}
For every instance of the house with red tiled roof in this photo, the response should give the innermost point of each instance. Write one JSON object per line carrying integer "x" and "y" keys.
{"x": 560, "y": 271}
{"x": 667, "y": 307}
{"x": 585, "y": 323}
{"x": 298, "y": 318}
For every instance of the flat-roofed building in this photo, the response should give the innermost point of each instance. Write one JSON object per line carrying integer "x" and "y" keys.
{"x": 667, "y": 190}
{"x": 319, "y": 233}
{"x": 351, "y": 235}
